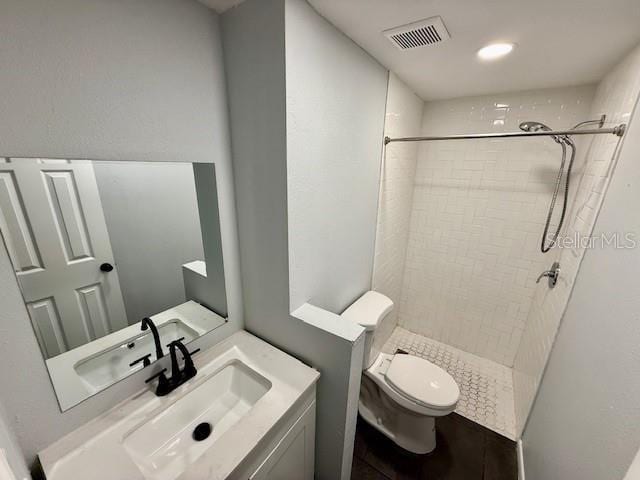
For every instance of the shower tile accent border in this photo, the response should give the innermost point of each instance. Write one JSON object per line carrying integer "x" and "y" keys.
{"x": 486, "y": 387}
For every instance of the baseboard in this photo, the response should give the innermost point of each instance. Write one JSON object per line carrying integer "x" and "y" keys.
{"x": 520, "y": 454}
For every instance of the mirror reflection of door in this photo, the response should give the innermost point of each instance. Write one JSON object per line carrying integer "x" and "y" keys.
{"x": 56, "y": 234}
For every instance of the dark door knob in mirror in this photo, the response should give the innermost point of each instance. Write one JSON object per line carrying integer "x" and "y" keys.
{"x": 106, "y": 267}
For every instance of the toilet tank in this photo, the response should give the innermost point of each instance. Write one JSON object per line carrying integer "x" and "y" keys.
{"x": 368, "y": 311}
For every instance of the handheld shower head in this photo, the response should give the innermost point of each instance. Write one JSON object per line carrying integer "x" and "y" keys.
{"x": 564, "y": 141}
{"x": 532, "y": 126}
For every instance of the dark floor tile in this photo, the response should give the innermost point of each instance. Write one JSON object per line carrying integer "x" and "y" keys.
{"x": 500, "y": 460}
{"x": 459, "y": 423}
{"x": 383, "y": 454}
{"x": 498, "y": 437}
{"x": 459, "y": 452}
{"x": 361, "y": 470}
{"x": 360, "y": 444}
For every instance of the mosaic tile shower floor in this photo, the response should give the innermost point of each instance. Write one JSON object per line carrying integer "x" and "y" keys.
{"x": 486, "y": 387}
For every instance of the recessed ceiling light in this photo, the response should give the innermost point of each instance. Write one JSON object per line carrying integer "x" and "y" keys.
{"x": 495, "y": 50}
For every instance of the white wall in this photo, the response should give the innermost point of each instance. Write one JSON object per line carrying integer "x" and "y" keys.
{"x": 103, "y": 79}
{"x": 335, "y": 117}
{"x": 478, "y": 213}
{"x": 261, "y": 93}
{"x": 634, "y": 469}
{"x": 403, "y": 118}
{"x": 616, "y": 96}
{"x": 11, "y": 449}
{"x": 584, "y": 423}
{"x": 335, "y": 114}
{"x": 151, "y": 211}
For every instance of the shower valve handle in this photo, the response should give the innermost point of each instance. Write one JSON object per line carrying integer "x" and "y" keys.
{"x": 552, "y": 274}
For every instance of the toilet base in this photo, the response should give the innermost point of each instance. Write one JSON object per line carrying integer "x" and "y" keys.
{"x": 413, "y": 432}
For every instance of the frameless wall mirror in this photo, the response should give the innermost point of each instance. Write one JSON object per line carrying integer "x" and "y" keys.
{"x": 99, "y": 245}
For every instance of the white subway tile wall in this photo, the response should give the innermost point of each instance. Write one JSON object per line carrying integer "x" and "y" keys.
{"x": 477, "y": 216}
{"x": 616, "y": 96}
{"x": 403, "y": 119}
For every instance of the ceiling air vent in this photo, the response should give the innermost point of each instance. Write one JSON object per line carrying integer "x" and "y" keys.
{"x": 429, "y": 31}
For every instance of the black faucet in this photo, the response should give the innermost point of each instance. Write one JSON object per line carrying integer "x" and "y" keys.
{"x": 148, "y": 323}
{"x": 178, "y": 376}
{"x": 189, "y": 370}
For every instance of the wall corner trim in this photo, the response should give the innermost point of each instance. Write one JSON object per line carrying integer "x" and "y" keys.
{"x": 520, "y": 453}
{"x": 328, "y": 322}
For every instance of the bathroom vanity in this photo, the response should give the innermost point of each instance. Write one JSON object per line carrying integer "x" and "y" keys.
{"x": 118, "y": 277}
{"x": 249, "y": 413}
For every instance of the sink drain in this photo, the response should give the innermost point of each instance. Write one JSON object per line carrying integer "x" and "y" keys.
{"x": 201, "y": 432}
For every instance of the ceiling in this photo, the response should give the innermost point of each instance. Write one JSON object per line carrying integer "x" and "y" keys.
{"x": 559, "y": 42}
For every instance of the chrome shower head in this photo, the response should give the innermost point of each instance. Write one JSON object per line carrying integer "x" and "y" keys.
{"x": 531, "y": 126}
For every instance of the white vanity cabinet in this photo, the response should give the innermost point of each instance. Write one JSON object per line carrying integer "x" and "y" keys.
{"x": 259, "y": 402}
{"x": 289, "y": 453}
{"x": 293, "y": 456}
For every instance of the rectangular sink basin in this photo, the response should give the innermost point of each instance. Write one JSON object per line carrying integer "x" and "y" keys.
{"x": 165, "y": 446}
{"x": 109, "y": 366}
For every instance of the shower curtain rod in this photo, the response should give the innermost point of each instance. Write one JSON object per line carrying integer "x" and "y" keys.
{"x": 617, "y": 130}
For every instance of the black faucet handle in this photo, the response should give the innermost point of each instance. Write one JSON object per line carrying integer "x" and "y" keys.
{"x": 146, "y": 361}
{"x": 158, "y": 375}
{"x": 178, "y": 376}
{"x": 194, "y": 352}
{"x": 176, "y": 340}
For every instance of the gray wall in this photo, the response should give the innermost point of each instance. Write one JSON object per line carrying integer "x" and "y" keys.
{"x": 117, "y": 79}
{"x": 105, "y": 79}
{"x": 336, "y": 97}
{"x": 584, "y": 422}
{"x": 213, "y": 292}
{"x": 152, "y": 217}
{"x": 254, "y": 39}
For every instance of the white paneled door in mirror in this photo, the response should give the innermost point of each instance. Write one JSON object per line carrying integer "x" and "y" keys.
{"x": 70, "y": 299}
{"x": 96, "y": 247}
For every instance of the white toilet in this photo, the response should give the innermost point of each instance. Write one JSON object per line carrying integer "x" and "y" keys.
{"x": 400, "y": 394}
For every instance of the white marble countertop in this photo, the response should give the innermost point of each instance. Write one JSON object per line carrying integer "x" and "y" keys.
{"x": 96, "y": 449}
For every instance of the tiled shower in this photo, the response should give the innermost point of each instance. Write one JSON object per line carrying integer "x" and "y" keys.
{"x": 478, "y": 211}
{"x": 459, "y": 228}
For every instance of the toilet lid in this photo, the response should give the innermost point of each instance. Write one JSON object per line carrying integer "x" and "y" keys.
{"x": 422, "y": 381}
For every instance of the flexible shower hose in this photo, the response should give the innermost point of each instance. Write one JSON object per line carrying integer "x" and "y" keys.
{"x": 563, "y": 141}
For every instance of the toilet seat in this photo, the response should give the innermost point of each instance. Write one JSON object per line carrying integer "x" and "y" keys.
{"x": 422, "y": 381}
{"x": 415, "y": 384}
